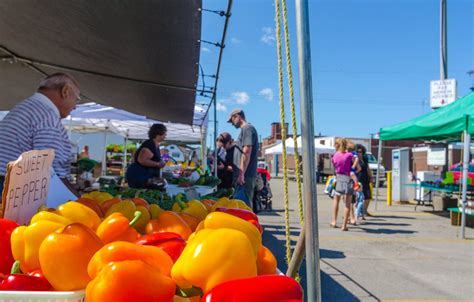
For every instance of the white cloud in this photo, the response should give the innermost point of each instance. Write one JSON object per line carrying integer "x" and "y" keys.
{"x": 268, "y": 35}
{"x": 240, "y": 97}
{"x": 267, "y": 93}
{"x": 221, "y": 107}
{"x": 235, "y": 41}
{"x": 205, "y": 49}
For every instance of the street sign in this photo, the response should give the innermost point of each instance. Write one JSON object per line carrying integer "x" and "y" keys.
{"x": 442, "y": 92}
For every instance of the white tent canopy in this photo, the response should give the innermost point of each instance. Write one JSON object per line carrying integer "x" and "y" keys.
{"x": 290, "y": 147}
{"x": 92, "y": 117}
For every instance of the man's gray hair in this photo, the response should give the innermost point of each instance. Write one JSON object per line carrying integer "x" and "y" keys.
{"x": 57, "y": 81}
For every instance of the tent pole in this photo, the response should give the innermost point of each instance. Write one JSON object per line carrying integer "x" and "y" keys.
{"x": 313, "y": 274}
{"x": 465, "y": 167}
{"x": 104, "y": 158}
{"x": 215, "y": 136}
{"x": 377, "y": 176}
{"x": 203, "y": 148}
{"x": 124, "y": 164}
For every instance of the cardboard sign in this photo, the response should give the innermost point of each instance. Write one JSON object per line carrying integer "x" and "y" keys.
{"x": 26, "y": 185}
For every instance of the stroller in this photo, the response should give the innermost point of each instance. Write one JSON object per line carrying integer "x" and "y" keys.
{"x": 263, "y": 193}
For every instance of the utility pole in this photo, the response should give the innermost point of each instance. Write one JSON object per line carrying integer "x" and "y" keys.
{"x": 444, "y": 42}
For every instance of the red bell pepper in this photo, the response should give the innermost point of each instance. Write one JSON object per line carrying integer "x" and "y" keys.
{"x": 34, "y": 281}
{"x": 244, "y": 214}
{"x": 172, "y": 243}
{"x": 6, "y": 257}
{"x": 273, "y": 288}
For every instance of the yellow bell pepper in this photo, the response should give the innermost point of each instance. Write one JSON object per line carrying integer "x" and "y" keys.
{"x": 65, "y": 254}
{"x": 26, "y": 241}
{"x": 126, "y": 207}
{"x": 225, "y": 202}
{"x": 50, "y": 216}
{"x": 193, "y": 207}
{"x": 77, "y": 212}
{"x": 217, "y": 220}
{"x": 212, "y": 257}
{"x": 155, "y": 211}
{"x": 99, "y": 197}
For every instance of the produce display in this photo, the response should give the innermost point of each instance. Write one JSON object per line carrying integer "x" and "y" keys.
{"x": 128, "y": 247}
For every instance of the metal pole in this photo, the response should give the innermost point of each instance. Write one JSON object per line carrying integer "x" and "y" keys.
{"x": 203, "y": 148}
{"x": 104, "y": 159}
{"x": 377, "y": 176}
{"x": 313, "y": 275}
{"x": 465, "y": 166}
{"x": 215, "y": 136}
{"x": 124, "y": 163}
{"x": 443, "y": 41}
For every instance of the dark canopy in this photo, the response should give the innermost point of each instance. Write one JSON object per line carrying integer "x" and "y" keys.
{"x": 141, "y": 56}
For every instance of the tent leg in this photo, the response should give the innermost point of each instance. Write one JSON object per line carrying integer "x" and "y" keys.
{"x": 465, "y": 167}
{"x": 124, "y": 164}
{"x": 377, "y": 177}
{"x": 104, "y": 158}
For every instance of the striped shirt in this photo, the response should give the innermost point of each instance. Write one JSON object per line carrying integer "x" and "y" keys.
{"x": 34, "y": 124}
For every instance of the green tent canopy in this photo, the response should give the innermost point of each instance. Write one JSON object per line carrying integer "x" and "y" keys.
{"x": 445, "y": 123}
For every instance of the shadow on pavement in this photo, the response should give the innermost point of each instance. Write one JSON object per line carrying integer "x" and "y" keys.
{"x": 390, "y": 217}
{"x": 331, "y": 254}
{"x": 384, "y": 223}
{"x": 331, "y": 290}
{"x": 387, "y": 231}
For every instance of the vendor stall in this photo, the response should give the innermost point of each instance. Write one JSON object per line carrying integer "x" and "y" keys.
{"x": 453, "y": 122}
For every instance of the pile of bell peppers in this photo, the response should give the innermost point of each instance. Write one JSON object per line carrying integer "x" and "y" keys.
{"x": 120, "y": 250}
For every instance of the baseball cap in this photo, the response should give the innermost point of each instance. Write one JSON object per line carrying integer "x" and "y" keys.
{"x": 235, "y": 111}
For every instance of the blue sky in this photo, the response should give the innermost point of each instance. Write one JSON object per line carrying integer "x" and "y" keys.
{"x": 372, "y": 61}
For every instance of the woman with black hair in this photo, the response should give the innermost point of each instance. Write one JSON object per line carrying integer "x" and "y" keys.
{"x": 147, "y": 160}
{"x": 364, "y": 175}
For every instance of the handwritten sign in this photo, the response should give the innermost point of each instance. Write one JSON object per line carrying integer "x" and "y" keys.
{"x": 26, "y": 185}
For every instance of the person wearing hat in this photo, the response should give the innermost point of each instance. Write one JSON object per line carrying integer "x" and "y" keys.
{"x": 248, "y": 143}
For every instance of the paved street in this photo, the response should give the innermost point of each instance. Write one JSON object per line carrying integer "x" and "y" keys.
{"x": 397, "y": 255}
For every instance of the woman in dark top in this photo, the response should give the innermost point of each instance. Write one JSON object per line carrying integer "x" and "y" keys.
{"x": 364, "y": 175}
{"x": 225, "y": 160}
{"x": 147, "y": 160}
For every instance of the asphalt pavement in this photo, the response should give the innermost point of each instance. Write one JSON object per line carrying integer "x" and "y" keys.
{"x": 399, "y": 254}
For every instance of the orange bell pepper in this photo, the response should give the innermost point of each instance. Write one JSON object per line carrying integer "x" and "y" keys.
{"x": 65, "y": 254}
{"x": 169, "y": 221}
{"x": 123, "y": 271}
{"x": 208, "y": 203}
{"x": 266, "y": 262}
{"x": 116, "y": 227}
{"x": 190, "y": 220}
{"x": 93, "y": 205}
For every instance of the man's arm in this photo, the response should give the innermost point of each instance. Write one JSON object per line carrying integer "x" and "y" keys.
{"x": 244, "y": 162}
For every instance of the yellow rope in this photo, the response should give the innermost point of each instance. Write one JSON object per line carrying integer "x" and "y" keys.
{"x": 283, "y": 133}
{"x": 289, "y": 70}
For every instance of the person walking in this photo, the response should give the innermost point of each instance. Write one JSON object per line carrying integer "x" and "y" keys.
{"x": 342, "y": 161}
{"x": 364, "y": 175}
{"x": 248, "y": 142}
{"x": 35, "y": 124}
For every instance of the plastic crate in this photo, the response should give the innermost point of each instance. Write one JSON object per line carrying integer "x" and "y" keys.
{"x": 22, "y": 296}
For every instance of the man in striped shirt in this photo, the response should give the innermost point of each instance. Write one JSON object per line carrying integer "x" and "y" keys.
{"x": 35, "y": 124}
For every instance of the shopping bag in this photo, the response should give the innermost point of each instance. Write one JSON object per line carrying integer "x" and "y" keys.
{"x": 241, "y": 195}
